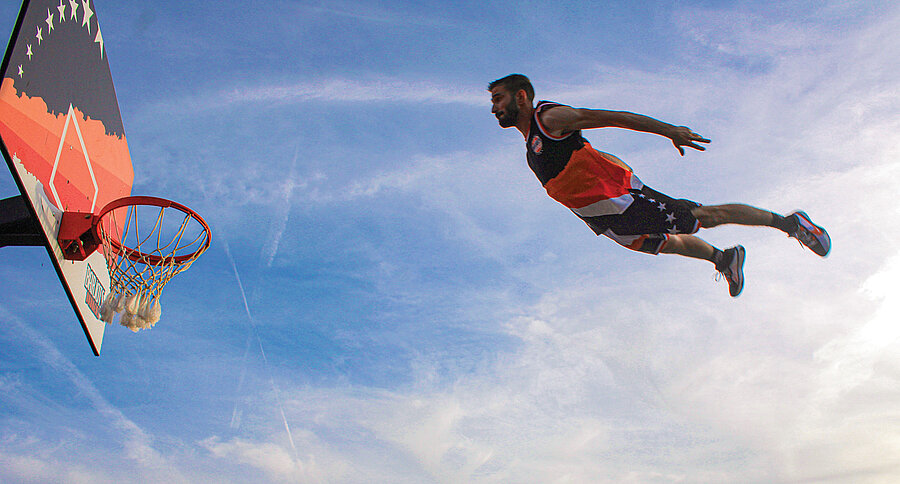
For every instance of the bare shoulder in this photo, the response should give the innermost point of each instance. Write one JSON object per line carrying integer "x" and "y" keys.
{"x": 558, "y": 119}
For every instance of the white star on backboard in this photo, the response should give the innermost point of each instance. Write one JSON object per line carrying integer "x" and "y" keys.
{"x": 49, "y": 21}
{"x": 88, "y": 13}
{"x": 99, "y": 39}
{"x": 71, "y": 6}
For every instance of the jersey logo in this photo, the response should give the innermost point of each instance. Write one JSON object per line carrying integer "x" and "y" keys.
{"x": 536, "y": 144}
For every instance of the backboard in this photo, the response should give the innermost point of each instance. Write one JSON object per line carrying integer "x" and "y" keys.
{"x": 62, "y": 135}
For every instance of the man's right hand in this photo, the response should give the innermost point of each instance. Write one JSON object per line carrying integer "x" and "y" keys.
{"x": 683, "y": 136}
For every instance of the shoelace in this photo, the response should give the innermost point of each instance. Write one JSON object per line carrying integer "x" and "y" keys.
{"x": 804, "y": 237}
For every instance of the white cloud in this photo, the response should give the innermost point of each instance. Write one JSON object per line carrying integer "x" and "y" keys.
{"x": 346, "y": 90}
{"x": 274, "y": 461}
{"x": 373, "y": 14}
{"x": 606, "y": 388}
{"x": 26, "y": 468}
{"x": 332, "y": 90}
{"x": 653, "y": 374}
{"x": 626, "y": 368}
{"x": 137, "y": 444}
{"x": 741, "y": 32}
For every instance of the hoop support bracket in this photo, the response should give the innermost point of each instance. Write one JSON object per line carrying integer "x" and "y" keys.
{"x": 77, "y": 236}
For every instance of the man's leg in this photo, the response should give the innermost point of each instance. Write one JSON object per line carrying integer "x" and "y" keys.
{"x": 689, "y": 246}
{"x": 738, "y": 213}
{"x": 796, "y": 225}
{"x": 729, "y": 262}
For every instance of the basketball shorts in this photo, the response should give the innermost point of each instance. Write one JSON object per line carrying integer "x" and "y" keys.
{"x": 647, "y": 223}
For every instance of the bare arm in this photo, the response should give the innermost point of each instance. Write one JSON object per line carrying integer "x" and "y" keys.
{"x": 563, "y": 119}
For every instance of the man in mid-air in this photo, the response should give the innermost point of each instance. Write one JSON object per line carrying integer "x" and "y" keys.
{"x": 606, "y": 194}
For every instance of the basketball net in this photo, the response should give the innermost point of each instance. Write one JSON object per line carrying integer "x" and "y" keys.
{"x": 144, "y": 250}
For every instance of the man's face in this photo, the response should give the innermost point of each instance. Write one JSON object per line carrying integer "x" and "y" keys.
{"x": 504, "y": 107}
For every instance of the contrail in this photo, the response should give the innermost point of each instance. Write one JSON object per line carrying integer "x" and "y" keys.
{"x": 283, "y": 212}
{"x": 262, "y": 350}
{"x": 236, "y": 413}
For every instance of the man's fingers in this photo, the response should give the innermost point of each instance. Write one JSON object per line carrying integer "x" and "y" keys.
{"x": 691, "y": 141}
{"x": 696, "y": 137}
{"x": 692, "y": 145}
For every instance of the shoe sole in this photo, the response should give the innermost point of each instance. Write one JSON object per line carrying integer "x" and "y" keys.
{"x": 738, "y": 261}
{"x": 817, "y": 232}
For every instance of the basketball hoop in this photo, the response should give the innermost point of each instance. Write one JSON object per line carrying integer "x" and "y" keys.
{"x": 146, "y": 242}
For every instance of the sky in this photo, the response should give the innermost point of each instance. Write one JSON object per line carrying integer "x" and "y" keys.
{"x": 391, "y": 297}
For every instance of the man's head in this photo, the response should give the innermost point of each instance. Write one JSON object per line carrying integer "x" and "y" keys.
{"x": 508, "y": 94}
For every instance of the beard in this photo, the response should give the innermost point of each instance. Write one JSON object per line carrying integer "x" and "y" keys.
{"x": 510, "y": 115}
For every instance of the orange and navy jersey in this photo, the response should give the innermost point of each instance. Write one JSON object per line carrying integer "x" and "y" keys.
{"x": 589, "y": 182}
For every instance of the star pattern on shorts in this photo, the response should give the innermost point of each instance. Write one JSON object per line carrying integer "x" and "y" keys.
{"x": 672, "y": 219}
{"x": 661, "y": 207}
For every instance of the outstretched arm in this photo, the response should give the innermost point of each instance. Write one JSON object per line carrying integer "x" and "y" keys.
{"x": 563, "y": 119}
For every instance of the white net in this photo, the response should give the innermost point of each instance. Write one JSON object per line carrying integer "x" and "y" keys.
{"x": 145, "y": 245}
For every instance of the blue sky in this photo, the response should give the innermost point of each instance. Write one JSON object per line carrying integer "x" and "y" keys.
{"x": 390, "y": 297}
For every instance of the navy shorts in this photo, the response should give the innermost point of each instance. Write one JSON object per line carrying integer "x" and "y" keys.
{"x": 646, "y": 224}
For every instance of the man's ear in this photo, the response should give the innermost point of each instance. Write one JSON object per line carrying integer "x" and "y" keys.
{"x": 521, "y": 97}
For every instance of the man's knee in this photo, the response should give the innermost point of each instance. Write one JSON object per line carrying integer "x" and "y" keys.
{"x": 710, "y": 216}
{"x": 672, "y": 245}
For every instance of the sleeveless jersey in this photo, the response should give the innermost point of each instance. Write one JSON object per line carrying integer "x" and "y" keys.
{"x": 591, "y": 183}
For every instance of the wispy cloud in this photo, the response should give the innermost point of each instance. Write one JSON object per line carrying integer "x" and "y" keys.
{"x": 30, "y": 468}
{"x": 137, "y": 443}
{"x": 614, "y": 366}
{"x": 275, "y": 462}
{"x": 346, "y": 90}
{"x": 334, "y": 90}
{"x": 651, "y": 374}
{"x": 373, "y": 13}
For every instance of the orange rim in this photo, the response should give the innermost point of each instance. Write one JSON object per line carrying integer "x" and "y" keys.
{"x": 138, "y": 256}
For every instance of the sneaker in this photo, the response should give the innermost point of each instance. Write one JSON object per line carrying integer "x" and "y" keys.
{"x": 810, "y": 234}
{"x": 732, "y": 268}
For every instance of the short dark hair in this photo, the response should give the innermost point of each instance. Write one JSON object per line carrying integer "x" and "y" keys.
{"x": 513, "y": 83}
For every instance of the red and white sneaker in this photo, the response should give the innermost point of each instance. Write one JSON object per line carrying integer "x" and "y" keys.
{"x": 810, "y": 234}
